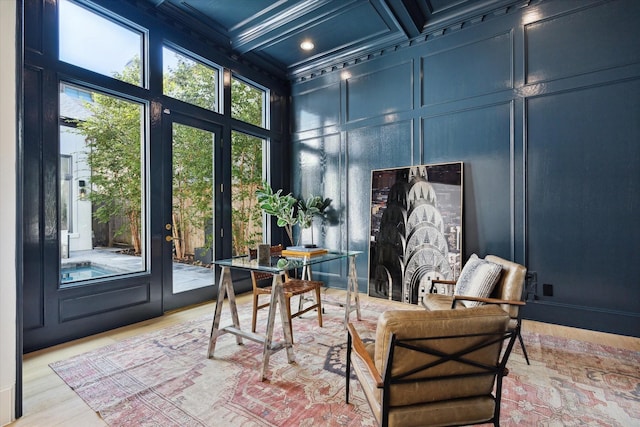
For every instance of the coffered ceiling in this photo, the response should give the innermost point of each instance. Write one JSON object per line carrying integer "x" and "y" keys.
{"x": 271, "y": 32}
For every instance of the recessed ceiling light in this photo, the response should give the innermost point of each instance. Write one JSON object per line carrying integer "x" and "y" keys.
{"x": 307, "y": 45}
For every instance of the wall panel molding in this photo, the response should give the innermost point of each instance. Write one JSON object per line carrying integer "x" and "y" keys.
{"x": 33, "y": 37}
{"x": 482, "y": 138}
{"x": 317, "y": 107}
{"x": 583, "y": 193}
{"x": 75, "y": 308}
{"x": 596, "y": 38}
{"x": 32, "y": 269}
{"x": 390, "y": 97}
{"x": 580, "y": 82}
{"x": 462, "y": 72}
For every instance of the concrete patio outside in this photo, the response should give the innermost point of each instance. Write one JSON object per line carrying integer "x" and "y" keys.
{"x": 185, "y": 276}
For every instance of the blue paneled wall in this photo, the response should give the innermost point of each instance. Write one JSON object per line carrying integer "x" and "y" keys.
{"x": 542, "y": 104}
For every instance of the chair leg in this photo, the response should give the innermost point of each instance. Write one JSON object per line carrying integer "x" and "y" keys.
{"x": 524, "y": 349}
{"x": 319, "y": 309}
{"x": 348, "y": 368}
{"x": 288, "y": 304}
{"x": 255, "y": 312}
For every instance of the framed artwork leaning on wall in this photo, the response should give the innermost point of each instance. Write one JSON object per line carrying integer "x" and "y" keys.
{"x": 415, "y": 229}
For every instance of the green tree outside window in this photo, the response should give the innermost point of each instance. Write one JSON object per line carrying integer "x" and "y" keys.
{"x": 113, "y": 134}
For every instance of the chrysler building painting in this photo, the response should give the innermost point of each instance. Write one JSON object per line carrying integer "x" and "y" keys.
{"x": 416, "y": 229}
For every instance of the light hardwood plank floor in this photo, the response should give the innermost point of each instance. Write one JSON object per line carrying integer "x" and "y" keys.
{"x": 48, "y": 401}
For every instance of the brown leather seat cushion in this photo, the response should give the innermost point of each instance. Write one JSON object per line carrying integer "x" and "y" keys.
{"x": 436, "y": 400}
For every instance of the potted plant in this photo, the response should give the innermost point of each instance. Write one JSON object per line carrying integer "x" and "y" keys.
{"x": 308, "y": 209}
{"x": 290, "y": 211}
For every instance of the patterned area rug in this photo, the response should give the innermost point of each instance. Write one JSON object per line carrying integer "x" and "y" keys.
{"x": 571, "y": 383}
{"x": 164, "y": 379}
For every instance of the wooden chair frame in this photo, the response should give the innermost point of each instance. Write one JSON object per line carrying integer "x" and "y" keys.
{"x": 497, "y": 301}
{"x": 291, "y": 288}
{"x": 384, "y": 380}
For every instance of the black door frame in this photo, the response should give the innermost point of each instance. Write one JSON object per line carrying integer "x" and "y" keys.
{"x": 170, "y": 300}
{"x": 54, "y": 313}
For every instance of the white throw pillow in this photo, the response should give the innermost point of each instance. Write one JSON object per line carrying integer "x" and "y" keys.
{"x": 477, "y": 279}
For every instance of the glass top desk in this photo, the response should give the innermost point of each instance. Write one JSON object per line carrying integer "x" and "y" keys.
{"x": 277, "y": 267}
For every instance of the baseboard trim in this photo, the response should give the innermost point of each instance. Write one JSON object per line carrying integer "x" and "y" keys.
{"x": 591, "y": 318}
{"x": 7, "y": 405}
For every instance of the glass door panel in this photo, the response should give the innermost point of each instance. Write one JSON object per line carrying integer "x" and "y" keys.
{"x": 192, "y": 215}
{"x": 102, "y": 189}
{"x": 246, "y": 178}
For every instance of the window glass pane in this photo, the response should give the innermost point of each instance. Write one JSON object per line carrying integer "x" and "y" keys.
{"x": 192, "y": 206}
{"x": 189, "y": 80}
{"x": 246, "y": 178}
{"x": 248, "y": 103}
{"x": 103, "y": 141}
{"x": 91, "y": 41}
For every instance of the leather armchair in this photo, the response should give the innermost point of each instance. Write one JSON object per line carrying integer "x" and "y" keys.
{"x": 433, "y": 368}
{"x": 508, "y": 294}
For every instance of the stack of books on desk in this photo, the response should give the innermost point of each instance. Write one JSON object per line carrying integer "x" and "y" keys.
{"x": 302, "y": 251}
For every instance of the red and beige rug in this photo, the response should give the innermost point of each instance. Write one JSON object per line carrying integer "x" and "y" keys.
{"x": 165, "y": 379}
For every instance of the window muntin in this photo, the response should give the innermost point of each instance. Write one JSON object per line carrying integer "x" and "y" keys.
{"x": 103, "y": 45}
{"x": 189, "y": 80}
{"x": 105, "y": 140}
{"x": 248, "y": 102}
{"x": 247, "y": 153}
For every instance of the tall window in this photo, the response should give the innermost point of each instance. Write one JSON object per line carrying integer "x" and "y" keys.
{"x": 246, "y": 178}
{"x": 248, "y": 103}
{"x": 102, "y": 205}
{"x": 96, "y": 43}
{"x": 106, "y": 186}
{"x": 189, "y": 80}
{"x": 103, "y": 144}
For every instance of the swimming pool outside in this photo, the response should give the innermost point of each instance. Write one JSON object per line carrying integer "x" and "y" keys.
{"x": 83, "y": 271}
{"x": 107, "y": 262}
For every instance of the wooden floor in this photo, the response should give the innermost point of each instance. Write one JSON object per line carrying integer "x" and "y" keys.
{"x": 48, "y": 401}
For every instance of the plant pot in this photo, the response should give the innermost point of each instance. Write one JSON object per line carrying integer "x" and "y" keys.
{"x": 204, "y": 255}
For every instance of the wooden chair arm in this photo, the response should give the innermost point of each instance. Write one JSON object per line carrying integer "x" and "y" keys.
{"x": 359, "y": 348}
{"x": 446, "y": 282}
{"x": 485, "y": 300}
{"x": 433, "y": 283}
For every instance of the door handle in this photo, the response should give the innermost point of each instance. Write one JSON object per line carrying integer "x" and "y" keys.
{"x": 168, "y": 238}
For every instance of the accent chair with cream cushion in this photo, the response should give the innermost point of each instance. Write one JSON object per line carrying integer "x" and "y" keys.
{"x": 433, "y": 368}
{"x": 477, "y": 279}
{"x": 471, "y": 287}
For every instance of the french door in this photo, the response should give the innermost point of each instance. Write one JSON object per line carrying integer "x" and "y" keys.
{"x": 191, "y": 206}
{"x": 118, "y": 225}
